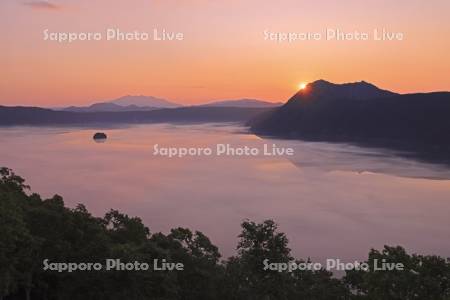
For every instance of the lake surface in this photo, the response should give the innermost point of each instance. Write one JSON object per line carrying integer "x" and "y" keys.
{"x": 332, "y": 200}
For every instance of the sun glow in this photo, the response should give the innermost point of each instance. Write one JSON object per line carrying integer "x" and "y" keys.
{"x": 302, "y": 85}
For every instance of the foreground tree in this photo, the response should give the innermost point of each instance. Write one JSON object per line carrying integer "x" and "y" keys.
{"x": 33, "y": 229}
{"x": 423, "y": 277}
{"x": 247, "y": 278}
{"x": 14, "y": 234}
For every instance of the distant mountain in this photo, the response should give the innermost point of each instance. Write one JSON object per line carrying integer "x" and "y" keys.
{"x": 144, "y": 101}
{"x": 364, "y": 114}
{"x": 242, "y": 103}
{"x": 125, "y": 103}
{"x": 107, "y": 107}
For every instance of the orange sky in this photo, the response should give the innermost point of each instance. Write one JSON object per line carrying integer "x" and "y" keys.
{"x": 223, "y": 54}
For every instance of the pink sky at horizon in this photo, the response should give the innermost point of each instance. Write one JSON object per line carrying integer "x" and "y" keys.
{"x": 223, "y": 54}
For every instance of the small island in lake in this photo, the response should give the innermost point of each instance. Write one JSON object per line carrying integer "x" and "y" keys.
{"x": 100, "y": 136}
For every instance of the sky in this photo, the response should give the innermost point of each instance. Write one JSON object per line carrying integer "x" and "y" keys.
{"x": 223, "y": 54}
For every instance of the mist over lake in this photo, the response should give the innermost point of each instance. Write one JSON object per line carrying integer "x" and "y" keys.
{"x": 332, "y": 200}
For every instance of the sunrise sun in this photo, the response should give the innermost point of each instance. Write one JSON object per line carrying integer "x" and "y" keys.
{"x": 302, "y": 85}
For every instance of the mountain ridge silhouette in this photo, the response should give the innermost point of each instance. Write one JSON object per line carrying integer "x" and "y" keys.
{"x": 363, "y": 114}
